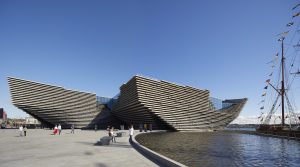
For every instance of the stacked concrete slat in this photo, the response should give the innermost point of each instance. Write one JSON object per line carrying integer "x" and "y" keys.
{"x": 129, "y": 109}
{"x": 52, "y": 104}
{"x": 144, "y": 100}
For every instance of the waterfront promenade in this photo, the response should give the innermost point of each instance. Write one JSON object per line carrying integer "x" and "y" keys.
{"x": 41, "y": 149}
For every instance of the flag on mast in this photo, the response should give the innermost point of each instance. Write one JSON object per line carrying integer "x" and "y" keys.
{"x": 283, "y": 34}
{"x": 290, "y": 24}
{"x": 271, "y": 74}
{"x": 296, "y": 6}
{"x": 296, "y": 46}
{"x": 296, "y": 14}
{"x": 274, "y": 60}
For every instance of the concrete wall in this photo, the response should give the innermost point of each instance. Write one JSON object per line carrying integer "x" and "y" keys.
{"x": 52, "y": 104}
{"x": 171, "y": 106}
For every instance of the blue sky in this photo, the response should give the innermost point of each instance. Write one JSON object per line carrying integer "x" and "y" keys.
{"x": 95, "y": 46}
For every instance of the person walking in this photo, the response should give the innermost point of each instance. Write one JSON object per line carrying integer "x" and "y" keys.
{"x": 96, "y": 127}
{"x": 21, "y": 130}
{"x": 113, "y": 135}
{"x": 131, "y": 132}
{"x": 145, "y": 127}
{"x": 59, "y": 129}
{"x": 72, "y": 128}
{"x": 55, "y": 130}
{"x": 25, "y": 130}
{"x": 150, "y": 127}
{"x": 141, "y": 127}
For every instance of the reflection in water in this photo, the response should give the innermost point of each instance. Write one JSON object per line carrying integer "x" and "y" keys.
{"x": 218, "y": 149}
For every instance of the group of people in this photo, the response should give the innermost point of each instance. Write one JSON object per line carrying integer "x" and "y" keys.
{"x": 112, "y": 134}
{"x": 145, "y": 127}
{"x": 57, "y": 129}
{"x": 23, "y": 130}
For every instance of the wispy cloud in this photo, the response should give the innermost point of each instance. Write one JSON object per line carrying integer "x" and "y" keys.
{"x": 255, "y": 120}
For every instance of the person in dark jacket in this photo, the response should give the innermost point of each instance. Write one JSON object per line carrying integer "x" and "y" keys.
{"x": 25, "y": 130}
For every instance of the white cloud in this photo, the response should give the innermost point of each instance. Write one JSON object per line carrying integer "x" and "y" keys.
{"x": 255, "y": 120}
{"x": 246, "y": 120}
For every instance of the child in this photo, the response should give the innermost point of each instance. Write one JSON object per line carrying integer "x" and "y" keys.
{"x": 55, "y": 130}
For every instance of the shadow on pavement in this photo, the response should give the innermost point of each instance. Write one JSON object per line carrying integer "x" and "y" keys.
{"x": 121, "y": 145}
{"x": 101, "y": 165}
{"x": 117, "y": 144}
{"x": 88, "y": 153}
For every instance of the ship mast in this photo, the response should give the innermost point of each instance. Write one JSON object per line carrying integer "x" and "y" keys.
{"x": 282, "y": 82}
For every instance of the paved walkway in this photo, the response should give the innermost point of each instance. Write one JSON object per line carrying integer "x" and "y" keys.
{"x": 41, "y": 149}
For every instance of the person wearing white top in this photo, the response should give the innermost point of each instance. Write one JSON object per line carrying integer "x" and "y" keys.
{"x": 113, "y": 135}
{"x": 59, "y": 129}
{"x": 21, "y": 130}
{"x": 72, "y": 128}
{"x": 131, "y": 132}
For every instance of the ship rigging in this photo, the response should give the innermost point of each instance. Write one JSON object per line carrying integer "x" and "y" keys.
{"x": 286, "y": 75}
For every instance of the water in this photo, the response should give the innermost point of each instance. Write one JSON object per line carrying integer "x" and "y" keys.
{"x": 224, "y": 149}
{"x": 242, "y": 129}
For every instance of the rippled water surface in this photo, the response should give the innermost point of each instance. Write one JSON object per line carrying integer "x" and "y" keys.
{"x": 224, "y": 149}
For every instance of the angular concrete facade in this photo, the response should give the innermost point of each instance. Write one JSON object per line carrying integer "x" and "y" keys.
{"x": 142, "y": 100}
{"x": 167, "y": 105}
{"x": 54, "y": 105}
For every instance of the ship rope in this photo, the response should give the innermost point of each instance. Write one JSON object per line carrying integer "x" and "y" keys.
{"x": 292, "y": 114}
{"x": 272, "y": 111}
{"x": 292, "y": 39}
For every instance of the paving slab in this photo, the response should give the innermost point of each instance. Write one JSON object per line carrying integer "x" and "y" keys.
{"x": 41, "y": 149}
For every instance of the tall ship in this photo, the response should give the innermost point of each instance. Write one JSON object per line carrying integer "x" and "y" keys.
{"x": 279, "y": 113}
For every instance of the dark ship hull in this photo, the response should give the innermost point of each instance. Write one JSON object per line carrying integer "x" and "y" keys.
{"x": 292, "y": 132}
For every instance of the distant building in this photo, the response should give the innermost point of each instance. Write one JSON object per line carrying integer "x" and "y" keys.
{"x": 16, "y": 122}
{"x": 31, "y": 121}
{"x": 3, "y": 118}
{"x": 3, "y": 115}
